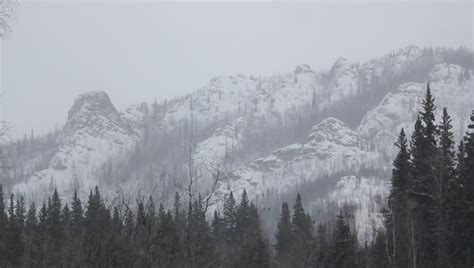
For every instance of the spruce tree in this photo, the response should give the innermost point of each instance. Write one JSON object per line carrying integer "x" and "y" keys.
{"x": 180, "y": 221}
{"x": 344, "y": 245}
{"x": 95, "y": 222}
{"x": 428, "y": 117}
{"x": 42, "y": 231}
{"x": 55, "y": 230}
{"x": 248, "y": 234}
{"x": 284, "y": 237}
{"x": 14, "y": 249}
{"x": 77, "y": 213}
{"x": 3, "y": 228}
{"x": 322, "y": 249}
{"x": 422, "y": 177}
{"x": 302, "y": 232}
{"x": 259, "y": 252}
{"x": 379, "y": 252}
{"x": 66, "y": 218}
{"x": 32, "y": 243}
{"x": 229, "y": 214}
{"x": 217, "y": 227}
{"x": 20, "y": 211}
{"x": 397, "y": 221}
{"x": 432, "y": 214}
{"x": 445, "y": 188}
{"x": 455, "y": 207}
{"x": 201, "y": 242}
{"x": 76, "y": 228}
{"x": 242, "y": 214}
{"x": 468, "y": 184}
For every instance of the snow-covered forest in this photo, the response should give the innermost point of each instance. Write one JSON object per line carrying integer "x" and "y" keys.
{"x": 359, "y": 163}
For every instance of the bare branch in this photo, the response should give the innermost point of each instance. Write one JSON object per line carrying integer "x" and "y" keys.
{"x": 7, "y": 15}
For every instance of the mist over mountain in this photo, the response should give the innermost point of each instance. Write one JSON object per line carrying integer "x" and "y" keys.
{"x": 332, "y": 131}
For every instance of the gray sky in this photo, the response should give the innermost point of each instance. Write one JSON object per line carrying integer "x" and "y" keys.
{"x": 139, "y": 51}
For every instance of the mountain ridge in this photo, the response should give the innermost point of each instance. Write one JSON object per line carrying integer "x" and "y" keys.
{"x": 274, "y": 133}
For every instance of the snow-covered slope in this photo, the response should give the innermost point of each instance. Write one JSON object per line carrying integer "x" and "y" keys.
{"x": 215, "y": 149}
{"x": 94, "y": 134}
{"x": 331, "y": 147}
{"x": 399, "y": 109}
{"x": 366, "y": 195}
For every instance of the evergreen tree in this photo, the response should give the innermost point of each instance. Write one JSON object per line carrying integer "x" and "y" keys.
{"x": 95, "y": 222}
{"x": 20, "y": 211}
{"x": 421, "y": 198}
{"x": 77, "y": 213}
{"x": 446, "y": 148}
{"x": 242, "y": 215}
{"x": 445, "y": 187}
{"x": 284, "y": 237}
{"x": 418, "y": 183}
{"x": 32, "y": 243}
{"x": 467, "y": 178}
{"x": 76, "y": 225}
{"x": 42, "y": 235}
{"x": 249, "y": 243}
{"x": 397, "y": 219}
{"x": 322, "y": 254}
{"x": 303, "y": 237}
{"x": 344, "y": 246}
{"x": 427, "y": 115}
{"x": 180, "y": 221}
{"x": 201, "y": 241}
{"x": 3, "y": 229}
{"x": 14, "y": 249}
{"x": 55, "y": 230}
{"x": 259, "y": 252}
{"x": 151, "y": 219}
{"x": 229, "y": 214}
{"x": 217, "y": 226}
{"x": 379, "y": 252}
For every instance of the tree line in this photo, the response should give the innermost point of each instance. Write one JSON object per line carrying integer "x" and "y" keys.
{"x": 96, "y": 235}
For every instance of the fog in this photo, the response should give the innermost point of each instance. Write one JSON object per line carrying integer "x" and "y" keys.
{"x": 142, "y": 51}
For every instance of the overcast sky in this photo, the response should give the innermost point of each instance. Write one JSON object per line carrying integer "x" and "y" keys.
{"x": 141, "y": 51}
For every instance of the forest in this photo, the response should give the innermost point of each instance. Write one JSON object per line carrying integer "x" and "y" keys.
{"x": 429, "y": 216}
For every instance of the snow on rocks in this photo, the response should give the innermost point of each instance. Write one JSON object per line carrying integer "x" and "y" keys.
{"x": 94, "y": 134}
{"x": 399, "y": 109}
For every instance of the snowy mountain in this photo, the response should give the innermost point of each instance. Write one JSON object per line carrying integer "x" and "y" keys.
{"x": 331, "y": 147}
{"x": 277, "y": 97}
{"x": 93, "y": 134}
{"x": 275, "y": 135}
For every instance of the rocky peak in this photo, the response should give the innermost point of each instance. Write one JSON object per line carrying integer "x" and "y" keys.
{"x": 333, "y": 130}
{"x": 341, "y": 63}
{"x": 92, "y": 108}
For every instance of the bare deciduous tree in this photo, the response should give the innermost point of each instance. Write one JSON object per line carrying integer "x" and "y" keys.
{"x": 7, "y": 15}
{"x": 5, "y": 153}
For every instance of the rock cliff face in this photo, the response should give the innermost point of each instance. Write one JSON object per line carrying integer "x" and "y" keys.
{"x": 93, "y": 134}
